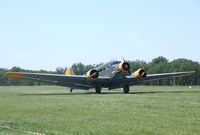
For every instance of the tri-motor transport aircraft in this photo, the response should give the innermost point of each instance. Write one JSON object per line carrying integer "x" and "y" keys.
{"x": 111, "y": 75}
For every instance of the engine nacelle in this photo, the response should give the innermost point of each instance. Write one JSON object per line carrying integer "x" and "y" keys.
{"x": 92, "y": 74}
{"x": 124, "y": 67}
{"x": 140, "y": 74}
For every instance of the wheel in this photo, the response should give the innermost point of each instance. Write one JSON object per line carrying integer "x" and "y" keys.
{"x": 98, "y": 89}
{"x": 71, "y": 90}
{"x": 126, "y": 88}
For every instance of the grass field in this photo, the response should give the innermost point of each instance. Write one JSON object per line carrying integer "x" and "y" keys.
{"x": 56, "y": 111}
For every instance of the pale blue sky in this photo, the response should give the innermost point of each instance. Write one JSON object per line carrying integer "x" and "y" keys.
{"x": 45, "y": 34}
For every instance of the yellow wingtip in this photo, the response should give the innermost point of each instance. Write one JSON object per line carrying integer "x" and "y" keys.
{"x": 13, "y": 75}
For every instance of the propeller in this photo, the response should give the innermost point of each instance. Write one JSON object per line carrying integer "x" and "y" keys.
{"x": 123, "y": 58}
{"x": 126, "y": 65}
{"x": 95, "y": 74}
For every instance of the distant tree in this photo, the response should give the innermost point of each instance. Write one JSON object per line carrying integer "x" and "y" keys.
{"x": 159, "y": 65}
{"x": 185, "y": 65}
{"x": 78, "y": 68}
{"x": 159, "y": 59}
{"x": 60, "y": 70}
{"x": 3, "y": 80}
{"x": 135, "y": 65}
{"x": 16, "y": 69}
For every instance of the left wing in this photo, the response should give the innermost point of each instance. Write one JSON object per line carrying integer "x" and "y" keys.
{"x": 72, "y": 81}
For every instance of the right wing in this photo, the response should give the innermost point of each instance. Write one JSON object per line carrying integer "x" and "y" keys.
{"x": 153, "y": 77}
{"x": 168, "y": 75}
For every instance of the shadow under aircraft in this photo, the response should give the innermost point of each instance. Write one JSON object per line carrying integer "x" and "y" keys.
{"x": 107, "y": 93}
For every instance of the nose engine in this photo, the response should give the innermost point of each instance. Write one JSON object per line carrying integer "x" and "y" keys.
{"x": 92, "y": 74}
{"x": 124, "y": 67}
{"x": 140, "y": 74}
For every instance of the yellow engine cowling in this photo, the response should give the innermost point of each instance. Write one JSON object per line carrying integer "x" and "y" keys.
{"x": 140, "y": 74}
{"x": 124, "y": 67}
{"x": 92, "y": 74}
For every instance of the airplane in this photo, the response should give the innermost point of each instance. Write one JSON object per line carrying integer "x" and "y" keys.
{"x": 111, "y": 75}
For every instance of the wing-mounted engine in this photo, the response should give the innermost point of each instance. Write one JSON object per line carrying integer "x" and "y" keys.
{"x": 140, "y": 74}
{"x": 92, "y": 74}
{"x": 124, "y": 67}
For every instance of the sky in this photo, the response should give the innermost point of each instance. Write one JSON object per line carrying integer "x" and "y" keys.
{"x": 45, "y": 34}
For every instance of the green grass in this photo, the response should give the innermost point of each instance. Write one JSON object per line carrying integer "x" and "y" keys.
{"x": 145, "y": 111}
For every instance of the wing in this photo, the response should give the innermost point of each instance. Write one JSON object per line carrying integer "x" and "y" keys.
{"x": 72, "y": 81}
{"x": 82, "y": 82}
{"x": 168, "y": 75}
{"x": 151, "y": 77}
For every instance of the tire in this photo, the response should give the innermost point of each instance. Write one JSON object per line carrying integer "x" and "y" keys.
{"x": 126, "y": 89}
{"x": 98, "y": 89}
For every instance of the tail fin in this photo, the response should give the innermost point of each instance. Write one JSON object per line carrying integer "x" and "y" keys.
{"x": 69, "y": 71}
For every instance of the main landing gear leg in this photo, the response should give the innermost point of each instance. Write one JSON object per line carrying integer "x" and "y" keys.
{"x": 98, "y": 89}
{"x": 126, "y": 88}
{"x": 71, "y": 90}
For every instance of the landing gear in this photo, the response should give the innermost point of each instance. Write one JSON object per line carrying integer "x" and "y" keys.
{"x": 98, "y": 89}
{"x": 126, "y": 88}
{"x": 71, "y": 90}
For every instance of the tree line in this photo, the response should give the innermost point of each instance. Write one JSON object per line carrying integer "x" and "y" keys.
{"x": 157, "y": 65}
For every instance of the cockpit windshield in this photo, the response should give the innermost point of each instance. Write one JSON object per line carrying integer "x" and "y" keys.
{"x": 114, "y": 63}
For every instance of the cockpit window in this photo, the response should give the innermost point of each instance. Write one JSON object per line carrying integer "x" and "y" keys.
{"x": 115, "y": 63}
